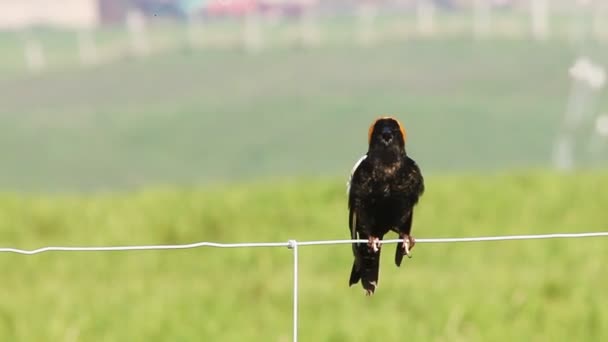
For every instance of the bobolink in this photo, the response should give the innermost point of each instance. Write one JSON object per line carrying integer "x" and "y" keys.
{"x": 383, "y": 188}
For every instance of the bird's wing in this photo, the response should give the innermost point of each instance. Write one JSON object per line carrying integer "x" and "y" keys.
{"x": 414, "y": 187}
{"x": 352, "y": 212}
{"x": 352, "y": 174}
{"x": 416, "y": 181}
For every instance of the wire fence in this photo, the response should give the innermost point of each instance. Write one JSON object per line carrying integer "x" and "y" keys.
{"x": 294, "y": 245}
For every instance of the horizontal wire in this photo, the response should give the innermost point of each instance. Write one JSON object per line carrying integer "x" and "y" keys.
{"x": 292, "y": 243}
{"x": 139, "y": 248}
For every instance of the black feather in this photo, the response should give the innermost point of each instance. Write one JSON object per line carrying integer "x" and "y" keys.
{"x": 384, "y": 187}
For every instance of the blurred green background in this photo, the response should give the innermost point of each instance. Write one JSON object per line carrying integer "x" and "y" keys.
{"x": 244, "y": 126}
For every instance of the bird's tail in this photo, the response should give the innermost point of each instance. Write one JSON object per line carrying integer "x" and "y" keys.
{"x": 366, "y": 268}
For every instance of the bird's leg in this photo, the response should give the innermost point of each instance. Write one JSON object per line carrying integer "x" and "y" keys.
{"x": 373, "y": 243}
{"x": 408, "y": 244}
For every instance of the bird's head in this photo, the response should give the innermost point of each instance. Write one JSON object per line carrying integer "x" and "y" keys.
{"x": 387, "y": 133}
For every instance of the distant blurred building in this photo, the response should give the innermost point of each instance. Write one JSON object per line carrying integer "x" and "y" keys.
{"x": 242, "y": 7}
{"x": 17, "y": 14}
{"x": 73, "y": 14}
{"x": 229, "y": 8}
{"x": 286, "y": 7}
{"x": 112, "y": 12}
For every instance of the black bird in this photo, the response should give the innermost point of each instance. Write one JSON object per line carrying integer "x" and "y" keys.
{"x": 383, "y": 188}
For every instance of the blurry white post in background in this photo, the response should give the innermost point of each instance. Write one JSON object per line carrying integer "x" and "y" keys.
{"x": 366, "y": 13}
{"x": 540, "y": 19}
{"x": 252, "y": 33}
{"x": 195, "y": 30}
{"x": 585, "y": 75}
{"x": 482, "y": 18}
{"x": 87, "y": 49}
{"x": 580, "y": 21}
{"x": 596, "y": 79}
{"x": 600, "y": 21}
{"x": 136, "y": 24}
{"x": 35, "y": 58}
{"x": 425, "y": 13}
{"x": 589, "y": 78}
{"x": 598, "y": 144}
{"x": 310, "y": 34}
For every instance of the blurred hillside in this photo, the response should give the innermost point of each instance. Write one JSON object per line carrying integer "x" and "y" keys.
{"x": 164, "y": 98}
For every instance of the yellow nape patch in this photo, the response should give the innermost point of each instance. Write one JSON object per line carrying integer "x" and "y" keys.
{"x": 371, "y": 128}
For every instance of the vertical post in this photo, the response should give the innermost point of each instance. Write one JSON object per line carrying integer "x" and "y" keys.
{"x": 293, "y": 244}
{"x": 310, "y": 34}
{"x": 252, "y": 35}
{"x": 195, "y": 28}
{"x": 598, "y": 140}
{"x": 580, "y": 26}
{"x": 600, "y": 28}
{"x": 86, "y": 47}
{"x": 425, "y": 11}
{"x": 588, "y": 79}
{"x": 482, "y": 18}
{"x": 563, "y": 153}
{"x": 540, "y": 19}
{"x": 563, "y": 149}
{"x": 136, "y": 24}
{"x": 366, "y": 13}
{"x": 35, "y": 58}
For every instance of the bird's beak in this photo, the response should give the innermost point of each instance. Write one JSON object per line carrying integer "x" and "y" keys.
{"x": 387, "y": 136}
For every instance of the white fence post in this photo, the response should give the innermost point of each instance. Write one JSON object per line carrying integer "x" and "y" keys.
{"x": 600, "y": 21}
{"x": 425, "y": 13}
{"x": 195, "y": 30}
{"x": 540, "y": 19}
{"x": 136, "y": 24}
{"x": 309, "y": 25}
{"x": 580, "y": 24}
{"x": 366, "y": 13}
{"x": 588, "y": 79}
{"x": 87, "y": 48}
{"x": 35, "y": 58}
{"x": 599, "y": 138}
{"x": 252, "y": 35}
{"x": 482, "y": 19}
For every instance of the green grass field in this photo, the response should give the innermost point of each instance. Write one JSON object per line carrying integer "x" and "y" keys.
{"x": 544, "y": 290}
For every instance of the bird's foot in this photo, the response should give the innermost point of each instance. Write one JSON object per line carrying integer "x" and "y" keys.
{"x": 408, "y": 244}
{"x": 374, "y": 243}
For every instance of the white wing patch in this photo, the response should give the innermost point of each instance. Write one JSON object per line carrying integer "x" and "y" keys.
{"x": 352, "y": 172}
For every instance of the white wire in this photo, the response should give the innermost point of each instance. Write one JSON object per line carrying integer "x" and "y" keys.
{"x": 151, "y": 247}
{"x": 292, "y": 243}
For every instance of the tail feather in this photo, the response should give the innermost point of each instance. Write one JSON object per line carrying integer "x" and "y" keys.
{"x": 399, "y": 253}
{"x": 366, "y": 269}
{"x": 355, "y": 275}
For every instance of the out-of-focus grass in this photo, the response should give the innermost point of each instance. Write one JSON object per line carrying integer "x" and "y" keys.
{"x": 217, "y": 115}
{"x": 496, "y": 291}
